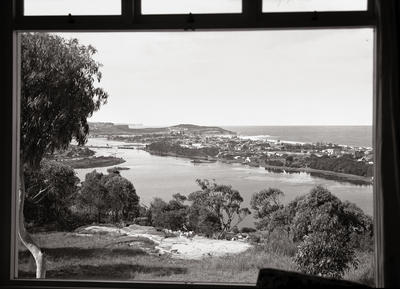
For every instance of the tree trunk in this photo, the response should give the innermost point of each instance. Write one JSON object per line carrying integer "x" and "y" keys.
{"x": 24, "y": 236}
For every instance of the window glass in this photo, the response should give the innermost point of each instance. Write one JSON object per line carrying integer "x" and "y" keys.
{"x": 313, "y": 5}
{"x": 73, "y": 7}
{"x": 209, "y": 155}
{"x": 191, "y": 6}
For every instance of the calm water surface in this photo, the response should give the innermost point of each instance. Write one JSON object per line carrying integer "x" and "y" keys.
{"x": 346, "y": 135}
{"x": 155, "y": 176}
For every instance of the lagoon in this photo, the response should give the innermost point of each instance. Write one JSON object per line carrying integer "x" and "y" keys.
{"x": 157, "y": 176}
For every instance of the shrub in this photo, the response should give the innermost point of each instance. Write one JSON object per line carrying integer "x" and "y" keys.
{"x": 172, "y": 215}
{"x": 265, "y": 203}
{"x": 105, "y": 196}
{"x": 51, "y": 190}
{"x": 235, "y": 230}
{"x": 203, "y": 221}
{"x": 247, "y": 230}
{"x": 322, "y": 253}
{"x": 278, "y": 242}
{"x": 324, "y": 225}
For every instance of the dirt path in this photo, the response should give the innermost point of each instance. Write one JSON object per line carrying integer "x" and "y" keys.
{"x": 180, "y": 247}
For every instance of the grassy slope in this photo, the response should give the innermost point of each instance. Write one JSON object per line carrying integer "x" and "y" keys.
{"x": 108, "y": 257}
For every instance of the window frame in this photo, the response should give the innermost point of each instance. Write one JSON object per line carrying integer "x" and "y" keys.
{"x": 131, "y": 19}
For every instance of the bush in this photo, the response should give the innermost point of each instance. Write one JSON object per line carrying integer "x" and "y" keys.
{"x": 108, "y": 198}
{"x": 322, "y": 253}
{"x": 247, "y": 230}
{"x": 255, "y": 238}
{"x": 50, "y": 192}
{"x": 235, "y": 230}
{"x": 278, "y": 242}
{"x": 203, "y": 221}
{"x": 324, "y": 226}
{"x": 172, "y": 215}
{"x": 73, "y": 220}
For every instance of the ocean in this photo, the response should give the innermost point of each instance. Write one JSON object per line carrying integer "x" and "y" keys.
{"x": 360, "y": 136}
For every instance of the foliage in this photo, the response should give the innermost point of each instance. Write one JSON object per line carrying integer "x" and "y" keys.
{"x": 172, "y": 215}
{"x": 73, "y": 151}
{"x": 221, "y": 201}
{"x": 247, "y": 230}
{"x": 327, "y": 230}
{"x": 203, "y": 221}
{"x": 51, "y": 191}
{"x": 157, "y": 208}
{"x": 289, "y": 158}
{"x": 265, "y": 203}
{"x": 277, "y": 242}
{"x": 112, "y": 195}
{"x": 165, "y": 147}
{"x": 93, "y": 196}
{"x": 324, "y": 225}
{"x": 123, "y": 200}
{"x": 342, "y": 164}
{"x": 58, "y": 94}
{"x": 212, "y": 210}
{"x": 325, "y": 254}
{"x": 274, "y": 162}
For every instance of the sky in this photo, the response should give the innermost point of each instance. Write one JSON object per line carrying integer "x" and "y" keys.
{"x": 291, "y": 77}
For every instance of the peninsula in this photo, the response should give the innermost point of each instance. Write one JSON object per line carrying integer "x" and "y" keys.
{"x": 98, "y": 129}
{"x": 209, "y": 144}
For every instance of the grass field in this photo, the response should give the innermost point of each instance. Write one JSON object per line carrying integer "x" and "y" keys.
{"x": 115, "y": 257}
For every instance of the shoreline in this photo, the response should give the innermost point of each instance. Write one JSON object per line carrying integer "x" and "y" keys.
{"x": 339, "y": 176}
{"x": 93, "y": 162}
{"x": 329, "y": 175}
{"x": 171, "y": 154}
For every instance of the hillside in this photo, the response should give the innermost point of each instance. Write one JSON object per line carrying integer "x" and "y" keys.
{"x": 196, "y": 129}
{"x": 107, "y": 128}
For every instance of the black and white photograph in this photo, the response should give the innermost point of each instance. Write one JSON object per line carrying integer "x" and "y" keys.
{"x": 202, "y": 142}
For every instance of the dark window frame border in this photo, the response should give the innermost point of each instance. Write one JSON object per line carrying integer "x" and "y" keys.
{"x": 251, "y": 18}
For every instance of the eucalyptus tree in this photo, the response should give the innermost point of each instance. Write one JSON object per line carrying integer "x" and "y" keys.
{"x": 122, "y": 197}
{"x": 324, "y": 227}
{"x": 59, "y": 91}
{"x": 222, "y": 201}
{"x": 265, "y": 203}
{"x": 50, "y": 193}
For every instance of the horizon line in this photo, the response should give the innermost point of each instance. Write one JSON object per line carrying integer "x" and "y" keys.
{"x": 224, "y": 125}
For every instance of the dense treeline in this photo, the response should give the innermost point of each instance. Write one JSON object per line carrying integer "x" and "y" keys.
{"x": 56, "y": 200}
{"x": 343, "y": 164}
{"x": 167, "y": 148}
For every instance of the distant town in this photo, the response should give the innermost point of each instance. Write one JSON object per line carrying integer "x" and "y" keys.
{"x": 204, "y": 144}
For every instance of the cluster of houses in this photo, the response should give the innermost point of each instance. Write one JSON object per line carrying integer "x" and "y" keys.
{"x": 245, "y": 150}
